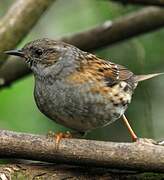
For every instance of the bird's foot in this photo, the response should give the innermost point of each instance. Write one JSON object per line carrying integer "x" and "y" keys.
{"x": 146, "y": 141}
{"x": 59, "y": 136}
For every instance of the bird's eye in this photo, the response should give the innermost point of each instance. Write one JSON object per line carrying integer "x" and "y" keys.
{"x": 38, "y": 52}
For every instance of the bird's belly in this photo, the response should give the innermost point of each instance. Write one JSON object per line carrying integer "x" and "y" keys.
{"x": 76, "y": 109}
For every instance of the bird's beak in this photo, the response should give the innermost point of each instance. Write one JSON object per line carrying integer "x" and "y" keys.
{"x": 15, "y": 53}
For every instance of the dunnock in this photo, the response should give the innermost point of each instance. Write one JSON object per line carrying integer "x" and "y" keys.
{"x": 77, "y": 89}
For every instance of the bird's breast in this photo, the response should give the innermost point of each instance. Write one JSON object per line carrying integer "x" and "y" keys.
{"x": 81, "y": 107}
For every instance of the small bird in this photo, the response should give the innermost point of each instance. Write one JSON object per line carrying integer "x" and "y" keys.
{"x": 77, "y": 89}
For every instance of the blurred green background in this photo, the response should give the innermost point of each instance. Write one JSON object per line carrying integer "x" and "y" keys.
{"x": 143, "y": 54}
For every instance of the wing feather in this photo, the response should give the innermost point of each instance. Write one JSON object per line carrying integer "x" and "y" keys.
{"x": 95, "y": 69}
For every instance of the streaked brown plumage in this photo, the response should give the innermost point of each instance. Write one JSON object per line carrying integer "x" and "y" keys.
{"x": 76, "y": 88}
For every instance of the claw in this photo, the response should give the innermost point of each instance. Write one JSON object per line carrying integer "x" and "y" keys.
{"x": 60, "y": 135}
{"x": 146, "y": 141}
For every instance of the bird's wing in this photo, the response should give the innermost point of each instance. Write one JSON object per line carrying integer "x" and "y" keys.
{"x": 94, "y": 69}
{"x": 112, "y": 73}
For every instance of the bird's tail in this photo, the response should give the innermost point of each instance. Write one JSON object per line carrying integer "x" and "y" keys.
{"x": 139, "y": 78}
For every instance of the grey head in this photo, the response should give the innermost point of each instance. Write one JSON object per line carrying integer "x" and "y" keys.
{"x": 42, "y": 55}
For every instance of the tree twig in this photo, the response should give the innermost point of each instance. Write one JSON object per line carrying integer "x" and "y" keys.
{"x": 141, "y": 2}
{"x": 130, "y": 156}
{"x": 17, "y": 22}
{"x": 123, "y": 28}
{"x": 145, "y": 20}
{"x": 13, "y": 69}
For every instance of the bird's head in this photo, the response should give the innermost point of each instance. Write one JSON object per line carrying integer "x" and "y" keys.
{"x": 43, "y": 53}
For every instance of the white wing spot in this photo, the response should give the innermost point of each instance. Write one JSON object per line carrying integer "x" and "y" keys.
{"x": 117, "y": 72}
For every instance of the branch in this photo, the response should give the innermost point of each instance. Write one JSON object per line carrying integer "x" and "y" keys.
{"x": 46, "y": 171}
{"x": 142, "y": 2}
{"x": 17, "y": 22}
{"x": 143, "y": 21}
{"x": 130, "y": 156}
{"x": 12, "y": 70}
{"x": 123, "y": 28}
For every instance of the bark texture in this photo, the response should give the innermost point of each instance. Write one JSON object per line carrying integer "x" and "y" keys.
{"x": 143, "y": 155}
{"x": 44, "y": 171}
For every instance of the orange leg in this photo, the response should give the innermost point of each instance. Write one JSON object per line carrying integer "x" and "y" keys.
{"x": 132, "y": 133}
{"x": 60, "y": 135}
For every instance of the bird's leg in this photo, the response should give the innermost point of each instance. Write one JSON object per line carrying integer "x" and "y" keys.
{"x": 60, "y": 135}
{"x": 134, "y": 136}
{"x": 132, "y": 133}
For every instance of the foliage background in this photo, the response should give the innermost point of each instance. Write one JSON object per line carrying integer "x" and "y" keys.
{"x": 143, "y": 54}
